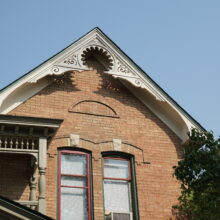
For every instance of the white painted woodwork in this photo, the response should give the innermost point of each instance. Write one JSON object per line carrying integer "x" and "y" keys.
{"x": 33, "y": 186}
{"x": 123, "y": 68}
{"x": 42, "y": 170}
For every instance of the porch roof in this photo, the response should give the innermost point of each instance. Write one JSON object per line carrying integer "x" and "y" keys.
{"x": 10, "y": 210}
{"x": 30, "y": 121}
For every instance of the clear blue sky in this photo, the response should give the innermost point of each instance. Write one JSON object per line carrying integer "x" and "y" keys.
{"x": 176, "y": 42}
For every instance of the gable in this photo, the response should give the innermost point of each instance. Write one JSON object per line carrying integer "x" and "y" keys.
{"x": 98, "y": 107}
{"x": 116, "y": 64}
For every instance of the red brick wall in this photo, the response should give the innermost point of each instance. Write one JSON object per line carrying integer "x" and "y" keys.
{"x": 133, "y": 123}
{"x": 15, "y": 174}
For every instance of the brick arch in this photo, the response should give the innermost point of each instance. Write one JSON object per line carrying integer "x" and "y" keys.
{"x": 93, "y": 107}
{"x": 96, "y": 148}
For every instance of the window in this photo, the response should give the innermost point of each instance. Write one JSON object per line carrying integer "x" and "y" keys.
{"x": 74, "y": 185}
{"x": 120, "y": 198}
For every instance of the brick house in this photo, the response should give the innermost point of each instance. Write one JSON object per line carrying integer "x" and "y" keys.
{"x": 89, "y": 135}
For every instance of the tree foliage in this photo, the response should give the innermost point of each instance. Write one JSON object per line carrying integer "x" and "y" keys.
{"x": 199, "y": 174}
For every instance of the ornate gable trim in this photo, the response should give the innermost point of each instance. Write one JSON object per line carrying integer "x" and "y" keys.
{"x": 121, "y": 67}
{"x": 71, "y": 59}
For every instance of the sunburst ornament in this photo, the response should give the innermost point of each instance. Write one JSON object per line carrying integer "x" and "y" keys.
{"x": 99, "y": 54}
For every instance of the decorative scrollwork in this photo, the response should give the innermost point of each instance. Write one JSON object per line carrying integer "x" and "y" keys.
{"x": 55, "y": 69}
{"x": 71, "y": 60}
{"x": 138, "y": 82}
{"x": 121, "y": 68}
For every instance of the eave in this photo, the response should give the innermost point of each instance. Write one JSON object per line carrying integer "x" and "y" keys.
{"x": 124, "y": 69}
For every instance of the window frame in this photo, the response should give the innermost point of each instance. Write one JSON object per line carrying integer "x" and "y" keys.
{"x": 88, "y": 177}
{"x": 132, "y": 174}
{"x": 113, "y": 178}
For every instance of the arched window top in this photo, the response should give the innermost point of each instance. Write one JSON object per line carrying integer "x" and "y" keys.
{"x": 72, "y": 149}
{"x": 117, "y": 154}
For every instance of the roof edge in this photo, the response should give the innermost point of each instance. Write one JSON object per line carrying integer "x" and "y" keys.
{"x": 144, "y": 75}
{"x": 15, "y": 206}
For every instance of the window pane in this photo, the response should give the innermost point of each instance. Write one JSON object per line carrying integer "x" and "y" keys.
{"x": 116, "y": 168}
{"x": 73, "y": 164}
{"x": 117, "y": 196}
{"x": 73, "y": 204}
{"x": 73, "y": 181}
